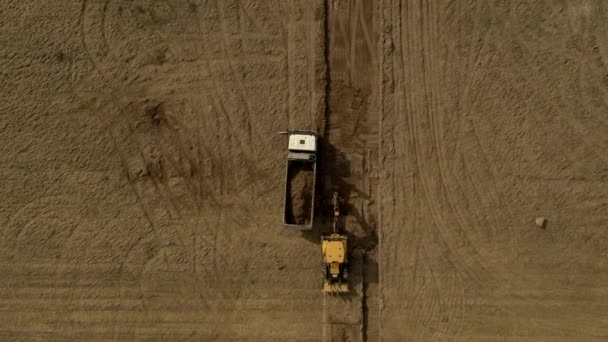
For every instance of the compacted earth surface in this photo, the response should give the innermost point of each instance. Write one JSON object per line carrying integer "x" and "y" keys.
{"x": 143, "y": 179}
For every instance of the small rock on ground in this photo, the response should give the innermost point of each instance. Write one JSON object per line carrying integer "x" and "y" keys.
{"x": 540, "y": 222}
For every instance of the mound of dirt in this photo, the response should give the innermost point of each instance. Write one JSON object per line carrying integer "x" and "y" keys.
{"x": 301, "y": 182}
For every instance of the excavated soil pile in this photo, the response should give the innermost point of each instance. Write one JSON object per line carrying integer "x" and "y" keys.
{"x": 301, "y": 181}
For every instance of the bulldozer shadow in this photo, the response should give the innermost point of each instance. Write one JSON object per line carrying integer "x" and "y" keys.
{"x": 334, "y": 169}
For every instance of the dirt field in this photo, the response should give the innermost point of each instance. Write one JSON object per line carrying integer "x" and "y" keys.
{"x": 142, "y": 173}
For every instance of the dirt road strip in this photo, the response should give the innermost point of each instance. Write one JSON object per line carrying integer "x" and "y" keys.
{"x": 351, "y": 155}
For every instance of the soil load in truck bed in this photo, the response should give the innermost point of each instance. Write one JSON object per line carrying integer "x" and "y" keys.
{"x": 300, "y": 186}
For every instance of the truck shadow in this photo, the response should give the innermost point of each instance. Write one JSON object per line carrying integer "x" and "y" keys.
{"x": 334, "y": 169}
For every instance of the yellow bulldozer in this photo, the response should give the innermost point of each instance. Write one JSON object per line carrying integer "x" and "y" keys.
{"x": 335, "y": 272}
{"x": 335, "y": 256}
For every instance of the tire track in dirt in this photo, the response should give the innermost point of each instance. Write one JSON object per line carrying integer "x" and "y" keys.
{"x": 350, "y": 149}
{"x": 454, "y": 192}
{"x": 218, "y": 99}
{"x": 104, "y": 14}
{"x": 159, "y": 188}
{"x": 585, "y": 133}
{"x": 425, "y": 144}
{"x": 144, "y": 208}
{"x": 369, "y": 41}
{"x": 474, "y": 75}
{"x": 218, "y": 214}
{"x": 419, "y": 137}
{"x": 83, "y": 34}
{"x": 294, "y": 71}
{"x": 487, "y": 192}
{"x": 217, "y": 102}
{"x": 107, "y": 129}
{"x": 241, "y": 92}
{"x": 585, "y": 41}
{"x": 458, "y": 190}
{"x": 578, "y": 100}
{"x": 490, "y": 190}
{"x": 220, "y": 108}
{"x": 437, "y": 96}
{"x": 290, "y": 64}
{"x": 306, "y": 65}
{"x": 387, "y": 186}
{"x": 141, "y": 153}
{"x": 581, "y": 96}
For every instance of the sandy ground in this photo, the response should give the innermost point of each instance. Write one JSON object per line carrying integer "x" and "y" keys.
{"x": 142, "y": 172}
{"x": 143, "y": 176}
{"x": 494, "y": 113}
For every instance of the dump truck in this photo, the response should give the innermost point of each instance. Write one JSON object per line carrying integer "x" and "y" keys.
{"x": 300, "y": 183}
{"x": 335, "y": 255}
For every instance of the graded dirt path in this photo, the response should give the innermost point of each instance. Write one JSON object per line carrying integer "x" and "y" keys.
{"x": 351, "y": 159}
{"x": 493, "y": 114}
{"x": 142, "y": 172}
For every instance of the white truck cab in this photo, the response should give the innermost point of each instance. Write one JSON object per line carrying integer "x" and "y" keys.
{"x": 302, "y": 142}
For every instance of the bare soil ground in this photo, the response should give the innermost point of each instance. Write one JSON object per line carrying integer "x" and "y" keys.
{"x": 142, "y": 172}
{"x": 494, "y": 113}
{"x": 142, "y": 176}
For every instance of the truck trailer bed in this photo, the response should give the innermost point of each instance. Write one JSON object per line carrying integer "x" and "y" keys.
{"x": 299, "y": 204}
